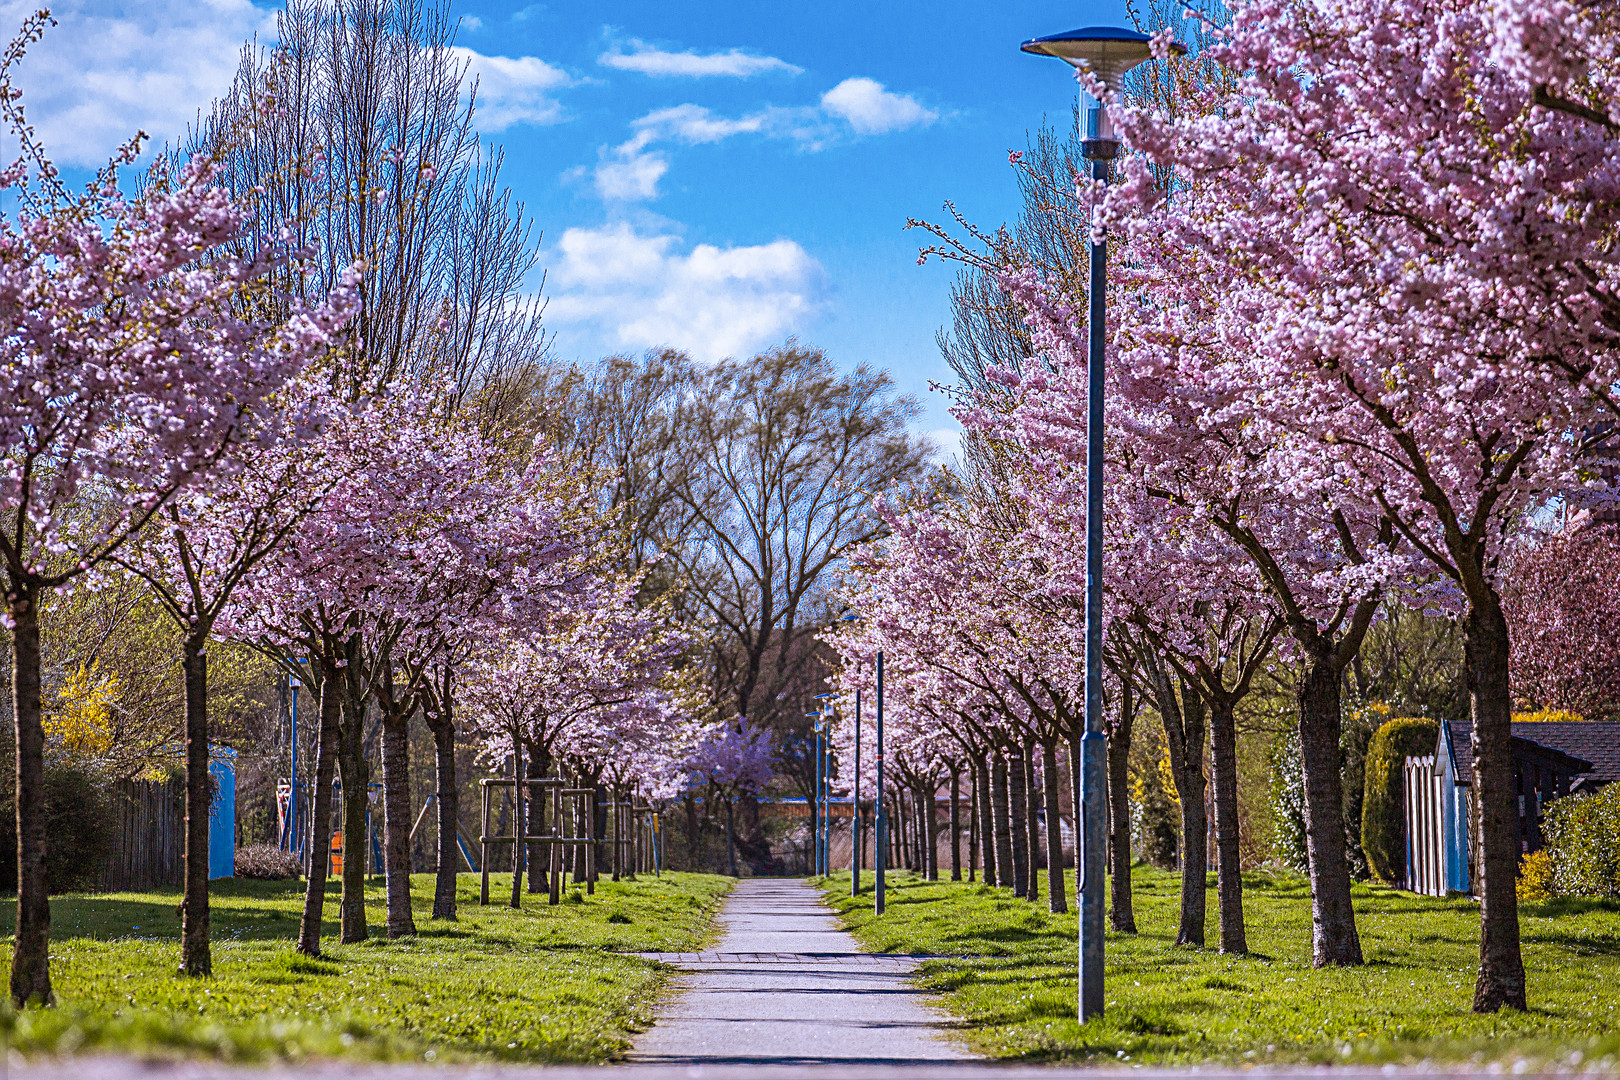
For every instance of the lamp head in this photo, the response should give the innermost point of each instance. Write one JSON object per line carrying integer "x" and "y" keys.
{"x": 1106, "y": 51}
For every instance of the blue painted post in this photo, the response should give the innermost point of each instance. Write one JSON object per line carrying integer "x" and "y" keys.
{"x": 882, "y": 819}
{"x": 815, "y": 803}
{"x": 857, "y": 850}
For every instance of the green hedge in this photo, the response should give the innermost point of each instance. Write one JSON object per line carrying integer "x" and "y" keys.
{"x": 78, "y": 826}
{"x": 1583, "y": 838}
{"x": 1383, "y": 826}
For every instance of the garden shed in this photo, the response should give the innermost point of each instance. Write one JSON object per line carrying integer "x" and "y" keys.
{"x": 1550, "y": 760}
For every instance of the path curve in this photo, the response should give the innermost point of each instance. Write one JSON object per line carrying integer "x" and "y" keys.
{"x": 786, "y": 986}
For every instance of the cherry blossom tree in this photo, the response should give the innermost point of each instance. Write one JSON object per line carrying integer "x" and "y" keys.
{"x": 129, "y": 369}
{"x": 1405, "y": 291}
{"x": 1561, "y": 605}
{"x": 193, "y": 556}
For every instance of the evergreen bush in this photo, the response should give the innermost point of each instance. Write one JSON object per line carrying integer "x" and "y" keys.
{"x": 1383, "y": 813}
{"x": 78, "y": 826}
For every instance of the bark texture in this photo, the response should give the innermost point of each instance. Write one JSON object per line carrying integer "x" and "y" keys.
{"x": 448, "y": 800}
{"x": 1056, "y": 893}
{"x": 195, "y": 953}
{"x": 320, "y": 826}
{"x": 1229, "y": 876}
{"x": 31, "y": 953}
{"x": 1501, "y": 981}
{"x": 1002, "y": 830}
{"x": 1334, "y": 940}
{"x": 1121, "y": 912}
{"x": 1017, "y": 807}
{"x": 396, "y": 823}
{"x": 956, "y": 822}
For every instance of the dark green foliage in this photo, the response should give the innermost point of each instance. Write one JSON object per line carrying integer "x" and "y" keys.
{"x": 78, "y": 826}
{"x": 1383, "y": 829}
{"x": 1583, "y": 837}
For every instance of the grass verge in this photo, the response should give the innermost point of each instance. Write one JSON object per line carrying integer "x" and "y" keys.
{"x": 544, "y": 984}
{"x": 1013, "y": 983}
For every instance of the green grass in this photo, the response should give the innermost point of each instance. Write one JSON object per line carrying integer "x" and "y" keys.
{"x": 1013, "y": 984}
{"x": 545, "y": 984}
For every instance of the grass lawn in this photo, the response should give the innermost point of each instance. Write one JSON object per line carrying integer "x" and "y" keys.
{"x": 539, "y": 985}
{"x": 1014, "y": 987}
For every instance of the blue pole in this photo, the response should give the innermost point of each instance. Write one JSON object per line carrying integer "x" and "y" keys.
{"x": 857, "y": 848}
{"x": 1093, "y": 746}
{"x": 292, "y": 796}
{"x": 815, "y": 802}
{"x": 882, "y": 819}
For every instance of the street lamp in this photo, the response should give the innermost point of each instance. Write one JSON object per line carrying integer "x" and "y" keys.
{"x": 816, "y": 813}
{"x": 1108, "y": 52}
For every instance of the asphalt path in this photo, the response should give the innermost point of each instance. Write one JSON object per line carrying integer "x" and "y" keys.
{"x": 786, "y": 987}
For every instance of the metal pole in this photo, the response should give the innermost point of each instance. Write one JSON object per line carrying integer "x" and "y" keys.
{"x": 815, "y": 805}
{"x": 856, "y": 849}
{"x": 882, "y": 819}
{"x": 292, "y": 797}
{"x": 1093, "y": 752}
{"x": 826, "y": 794}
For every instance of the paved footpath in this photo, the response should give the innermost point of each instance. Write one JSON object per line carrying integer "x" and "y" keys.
{"x": 786, "y": 986}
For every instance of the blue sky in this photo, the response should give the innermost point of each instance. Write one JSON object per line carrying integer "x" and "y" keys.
{"x": 713, "y": 176}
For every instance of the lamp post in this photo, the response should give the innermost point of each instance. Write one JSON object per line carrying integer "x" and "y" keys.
{"x": 857, "y": 847}
{"x": 1108, "y": 52}
{"x": 815, "y": 801}
{"x": 293, "y": 683}
{"x": 882, "y": 830}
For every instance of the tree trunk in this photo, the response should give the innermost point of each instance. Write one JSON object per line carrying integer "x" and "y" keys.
{"x": 448, "y": 798}
{"x": 1187, "y": 767}
{"x": 929, "y": 819}
{"x": 1005, "y": 874}
{"x": 320, "y": 826}
{"x": 396, "y": 823}
{"x": 956, "y": 822}
{"x": 1056, "y": 893}
{"x": 356, "y": 775}
{"x": 1224, "y": 778}
{"x": 973, "y": 821}
{"x": 693, "y": 852}
{"x": 1333, "y": 922}
{"x": 731, "y": 838}
{"x": 1501, "y": 981}
{"x": 519, "y": 823}
{"x": 1018, "y": 813}
{"x": 1032, "y": 814}
{"x": 1121, "y": 911}
{"x": 31, "y": 952}
{"x": 195, "y": 958}
{"x": 539, "y": 872}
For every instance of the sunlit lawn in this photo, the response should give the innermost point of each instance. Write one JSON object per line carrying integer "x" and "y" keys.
{"x": 538, "y": 985}
{"x": 1014, "y": 988}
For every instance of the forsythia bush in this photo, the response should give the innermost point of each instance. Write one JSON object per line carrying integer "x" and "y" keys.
{"x": 1583, "y": 844}
{"x": 1536, "y": 876}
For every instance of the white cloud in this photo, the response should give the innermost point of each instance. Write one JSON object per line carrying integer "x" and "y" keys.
{"x": 109, "y": 69}
{"x": 629, "y": 175}
{"x": 472, "y": 22}
{"x": 696, "y": 124}
{"x": 640, "y": 290}
{"x": 872, "y": 110}
{"x": 514, "y": 90}
{"x": 734, "y": 63}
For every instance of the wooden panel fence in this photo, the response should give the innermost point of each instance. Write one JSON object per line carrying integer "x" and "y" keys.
{"x": 147, "y": 845}
{"x": 1425, "y": 872}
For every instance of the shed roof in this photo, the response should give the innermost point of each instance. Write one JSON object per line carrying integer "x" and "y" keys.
{"x": 1594, "y": 743}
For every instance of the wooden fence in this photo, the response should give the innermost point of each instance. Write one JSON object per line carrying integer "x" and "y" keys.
{"x": 147, "y": 846}
{"x": 1425, "y": 872}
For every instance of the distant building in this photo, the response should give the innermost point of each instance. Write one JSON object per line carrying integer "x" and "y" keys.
{"x": 1550, "y": 760}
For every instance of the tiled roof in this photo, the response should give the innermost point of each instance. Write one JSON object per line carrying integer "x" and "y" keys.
{"x": 1593, "y": 741}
